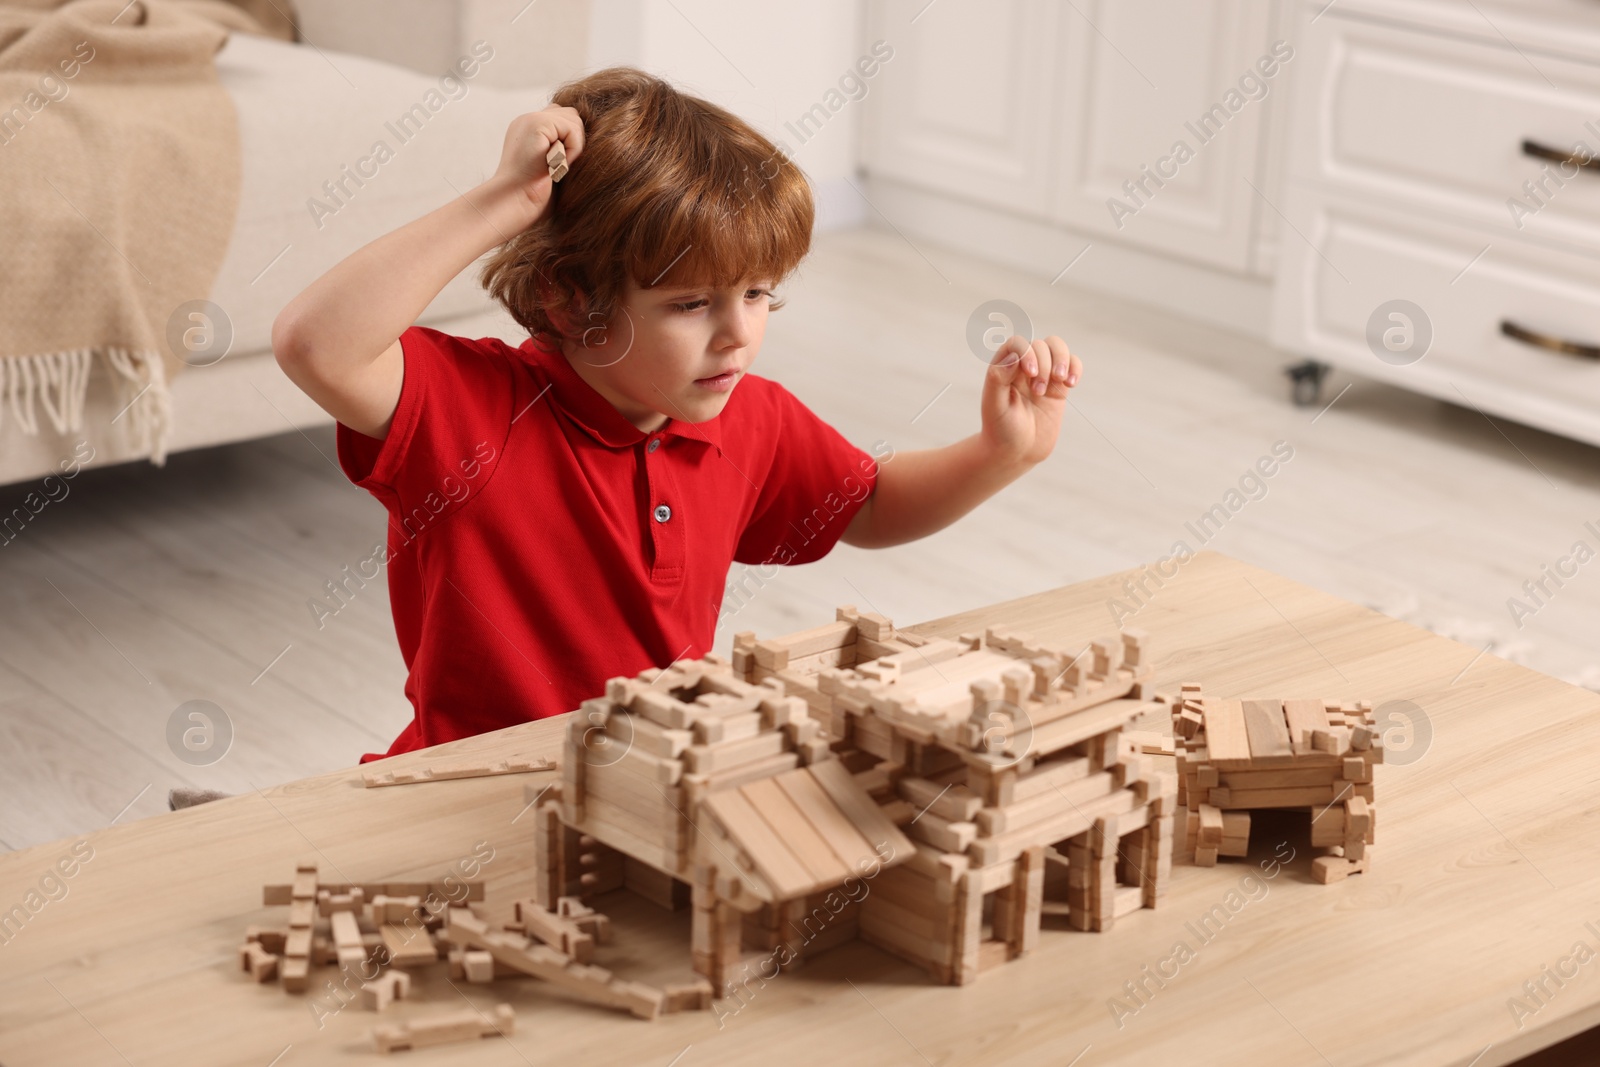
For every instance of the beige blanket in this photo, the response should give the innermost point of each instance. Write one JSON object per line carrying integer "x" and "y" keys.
{"x": 119, "y": 157}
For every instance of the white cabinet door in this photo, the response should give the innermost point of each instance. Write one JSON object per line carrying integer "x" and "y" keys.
{"x": 966, "y": 105}
{"x": 1161, "y": 121}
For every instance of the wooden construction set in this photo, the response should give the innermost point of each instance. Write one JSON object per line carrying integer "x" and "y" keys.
{"x": 943, "y": 776}
{"x": 1236, "y": 756}
{"x": 385, "y": 930}
{"x": 936, "y": 798}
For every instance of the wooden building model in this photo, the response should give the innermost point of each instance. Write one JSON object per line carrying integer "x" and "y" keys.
{"x": 933, "y": 797}
{"x": 1235, "y": 756}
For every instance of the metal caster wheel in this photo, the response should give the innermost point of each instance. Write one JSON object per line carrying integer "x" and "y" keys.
{"x": 1305, "y": 381}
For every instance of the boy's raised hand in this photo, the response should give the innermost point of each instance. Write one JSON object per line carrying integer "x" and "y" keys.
{"x": 528, "y": 139}
{"x": 1025, "y": 393}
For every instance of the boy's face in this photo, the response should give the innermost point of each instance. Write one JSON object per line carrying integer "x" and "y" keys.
{"x": 674, "y": 352}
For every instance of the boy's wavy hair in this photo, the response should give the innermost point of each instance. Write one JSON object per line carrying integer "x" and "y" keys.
{"x": 669, "y": 189}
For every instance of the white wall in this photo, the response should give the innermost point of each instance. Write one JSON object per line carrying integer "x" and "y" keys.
{"x": 768, "y": 62}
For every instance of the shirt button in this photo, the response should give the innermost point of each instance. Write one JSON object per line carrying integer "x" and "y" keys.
{"x": 655, "y": 444}
{"x": 663, "y": 513}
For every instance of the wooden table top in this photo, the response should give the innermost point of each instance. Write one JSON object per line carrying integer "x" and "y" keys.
{"x": 1486, "y": 872}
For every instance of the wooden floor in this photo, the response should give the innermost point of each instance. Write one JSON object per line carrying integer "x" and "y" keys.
{"x": 144, "y": 588}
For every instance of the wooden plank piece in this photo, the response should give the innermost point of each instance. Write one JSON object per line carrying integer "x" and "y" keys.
{"x": 1225, "y": 731}
{"x": 859, "y": 808}
{"x": 1303, "y": 717}
{"x": 750, "y": 832}
{"x": 1267, "y": 731}
{"x": 408, "y": 948}
{"x": 842, "y": 835}
{"x": 796, "y": 831}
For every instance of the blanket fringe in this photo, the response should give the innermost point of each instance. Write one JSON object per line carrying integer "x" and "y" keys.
{"x": 59, "y": 381}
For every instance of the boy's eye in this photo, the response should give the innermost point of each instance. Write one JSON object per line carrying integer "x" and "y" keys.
{"x": 699, "y": 302}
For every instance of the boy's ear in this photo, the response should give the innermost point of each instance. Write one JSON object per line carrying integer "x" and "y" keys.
{"x": 570, "y": 320}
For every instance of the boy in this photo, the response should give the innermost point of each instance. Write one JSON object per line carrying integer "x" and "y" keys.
{"x": 567, "y": 511}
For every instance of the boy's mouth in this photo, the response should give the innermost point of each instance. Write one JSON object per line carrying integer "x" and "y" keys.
{"x": 718, "y": 383}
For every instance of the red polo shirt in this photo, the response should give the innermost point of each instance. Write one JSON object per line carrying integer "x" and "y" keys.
{"x": 540, "y": 543}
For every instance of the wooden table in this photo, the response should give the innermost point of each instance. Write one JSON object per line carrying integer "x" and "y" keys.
{"x": 1487, "y": 871}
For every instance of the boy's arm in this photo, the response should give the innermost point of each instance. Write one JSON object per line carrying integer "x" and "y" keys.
{"x": 919, "y": 493}
{"x": 339, "y": 339}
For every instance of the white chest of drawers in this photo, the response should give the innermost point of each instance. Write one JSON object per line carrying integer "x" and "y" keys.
{"x": 1436, "y": 157}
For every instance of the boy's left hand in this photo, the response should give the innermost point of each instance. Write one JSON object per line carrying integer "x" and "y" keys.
{"x": 1025, "y": 394}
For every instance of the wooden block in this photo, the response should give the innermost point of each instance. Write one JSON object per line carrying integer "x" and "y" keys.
{"x": 1226, "y": 737}
{"x": 258, "y": 962}
{"x": 1206, "y": 857}
{"x": 465, "y": 1024}
{"x": 687, "y": 996}
{"x": 773, "y": 655}
{"x": 1267, "y": 732}
{"x": 388, "y": 987}
{"x": 874, "y": 627}
{"x": 1323, "y": 772}
{"x": 1304, "y": 718}
{"x": 1047, "y": 777}
{"x": 707, "y": 759}
{"x": 1357, "y": 769}
{"x": 346, "y": 933}
{"x": 295, "y": 973}
{"x": 1211, "y": 827}
{"x": 1328, "y": 869}
{"x": 1328, "y": 826}
{"x": 943, "y": 834}
{"x": 271, "y": 939}
{"x": 408, "y": 946}
{"x": 559, "y": 932}
{"x": 1294, "y": 797}
{"x": 305, "y": 883}
{"x": 868, "y": 820}
{"x": 955, "y": 803}
{"x": 556, "y": 160}
{"x": 298, "y": 944}
{"x": 477, "y": 966}
{"x": 1127, "y": 900}
{"x": 1324, "y": 741}
{"x": 824, "y": 638}
{"x": 1359, "y": 817}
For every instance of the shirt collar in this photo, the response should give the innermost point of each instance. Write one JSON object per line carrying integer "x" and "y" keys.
{"x": 594, "y": 413}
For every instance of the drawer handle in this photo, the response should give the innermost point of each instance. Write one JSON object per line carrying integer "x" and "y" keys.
{"x": 1546, "y": 341}
{"x": 1556, "y": 155}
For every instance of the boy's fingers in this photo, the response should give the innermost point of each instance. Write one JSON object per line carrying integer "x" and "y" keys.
{"x": 1043, "y": 361}
{"x": 1067, "y": 367}
{"x": 567, "y": 127}
{"x": 1007, "y": 362}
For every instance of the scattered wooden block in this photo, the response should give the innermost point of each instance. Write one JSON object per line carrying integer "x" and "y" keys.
{"x": 261, "y": 964}
{"x": 408, "y": 946}
{"x": 390, "y": 986}
{"x": 1328, "y": 869}
{"x": 688, "y": 996}
{"x": 447, "y": 772}
{"x": 467, "y": 1024}
{"x": 295, "y": 974}
{"x": 477, "y": 966}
